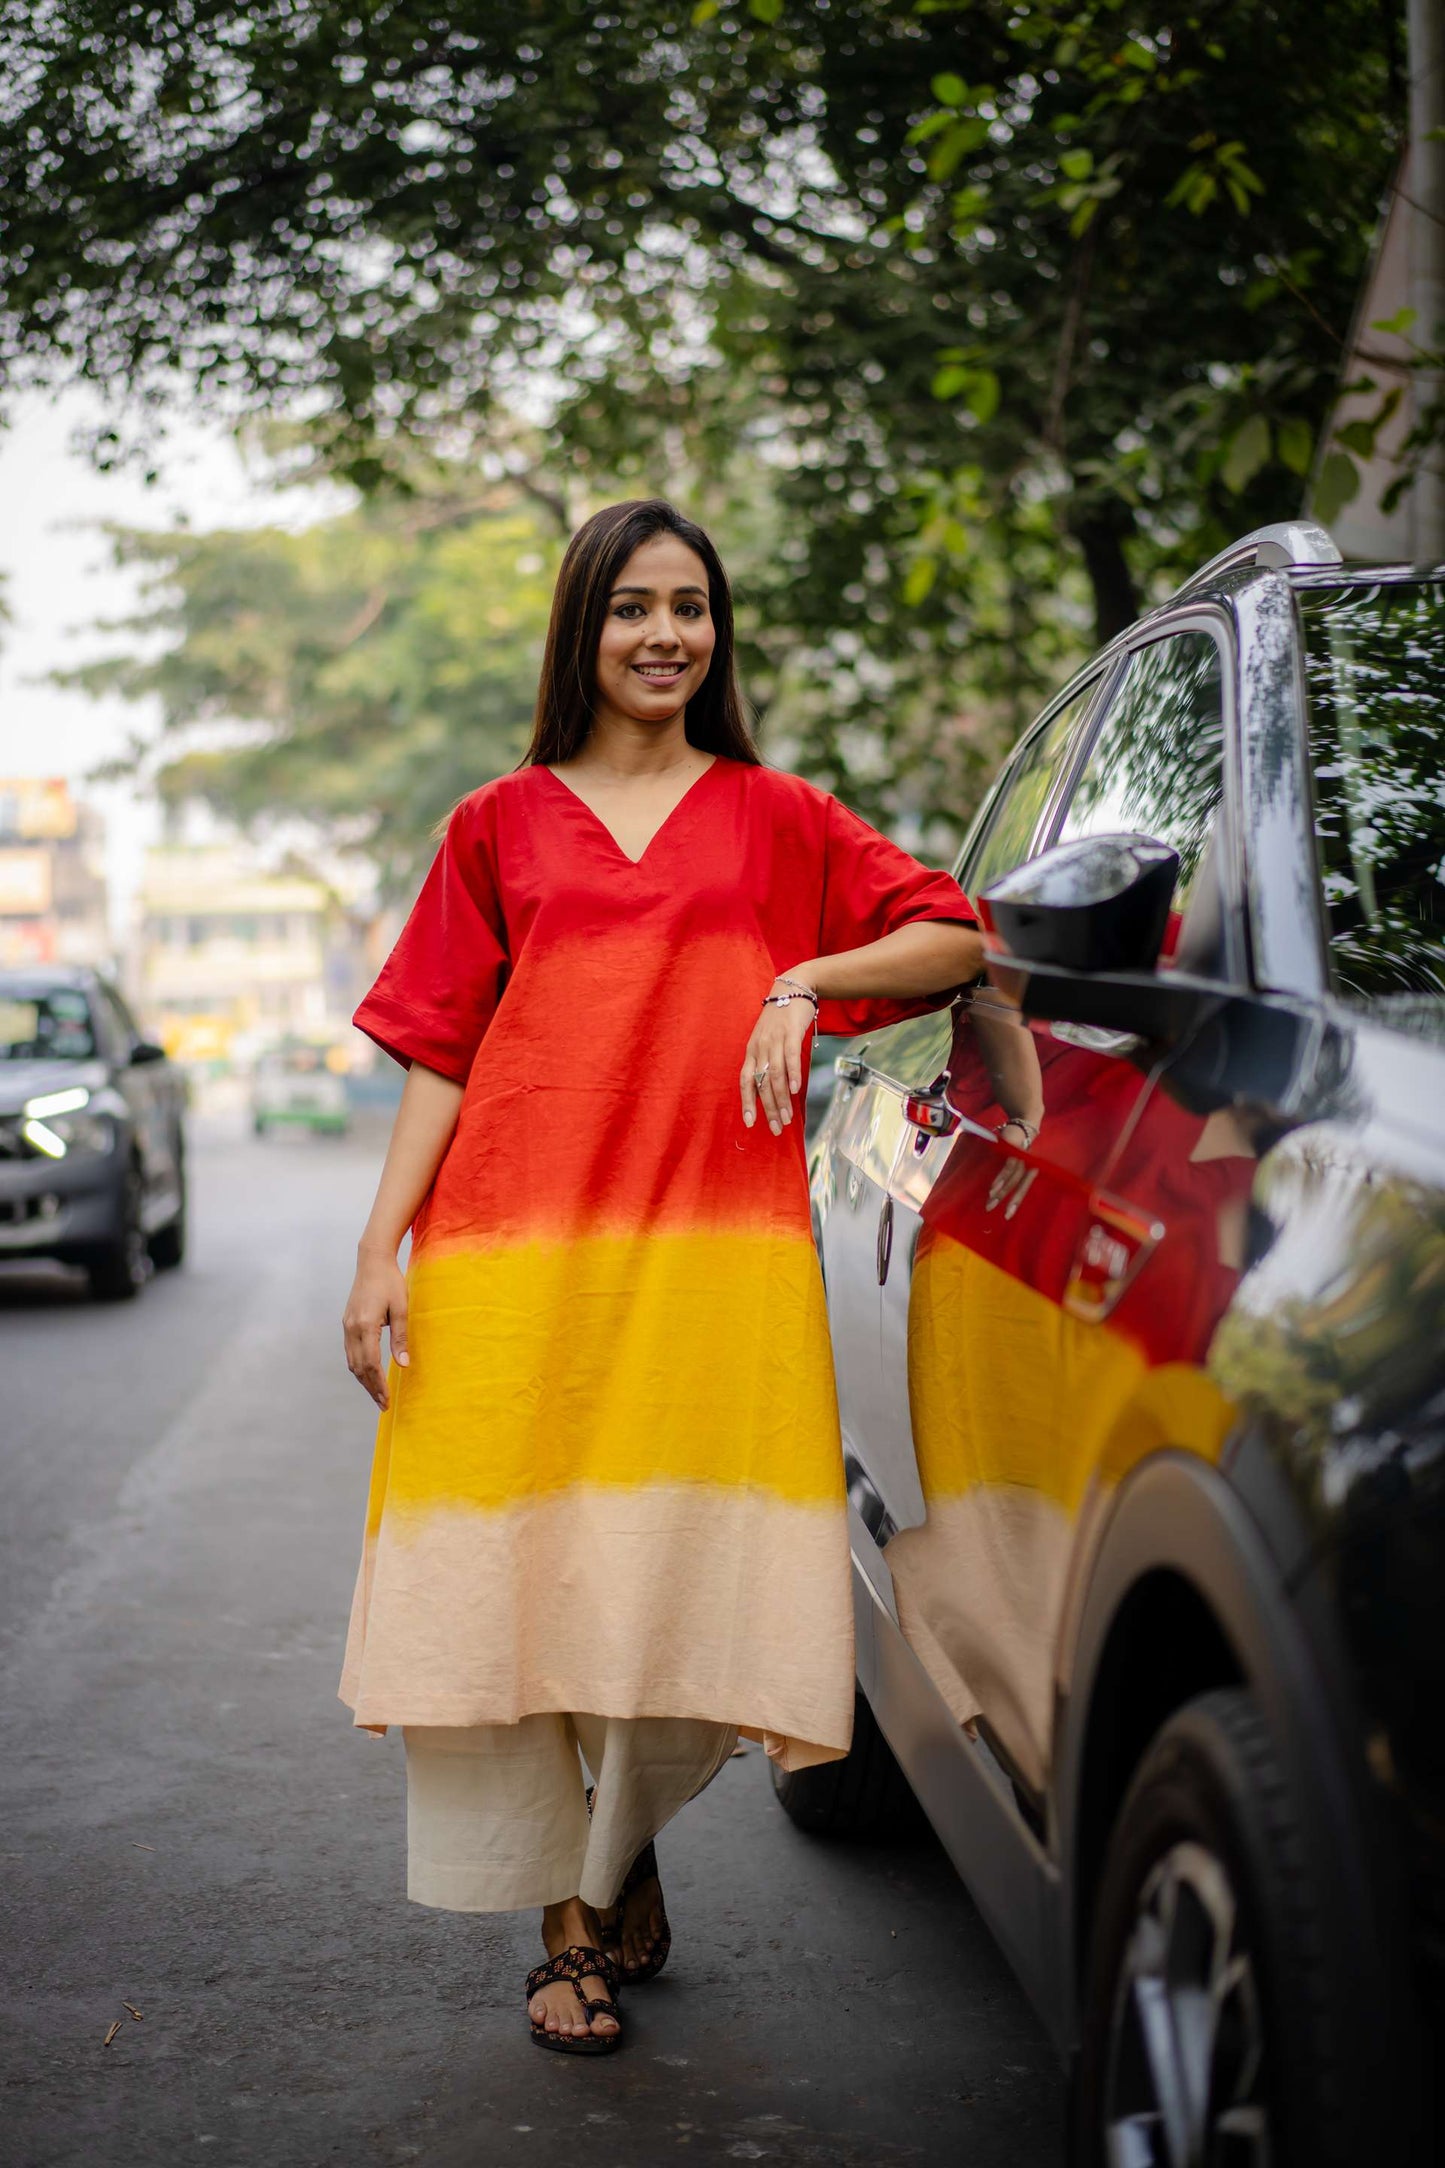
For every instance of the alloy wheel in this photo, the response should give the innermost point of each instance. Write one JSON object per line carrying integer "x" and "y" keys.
{"x": 1186, "y": 2064}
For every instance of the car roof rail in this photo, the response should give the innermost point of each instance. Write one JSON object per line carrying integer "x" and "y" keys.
{"x": 1288, "y": 542}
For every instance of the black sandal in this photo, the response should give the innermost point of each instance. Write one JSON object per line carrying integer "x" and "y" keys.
{"x": 643, "y": 1868}
{"x": 574, "y": 1965}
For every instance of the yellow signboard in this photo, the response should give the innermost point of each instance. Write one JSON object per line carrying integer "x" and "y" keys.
{"x": 36, "y": 807}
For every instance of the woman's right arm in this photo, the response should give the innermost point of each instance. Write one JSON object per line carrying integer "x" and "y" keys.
{"x": 425, "y": 1122}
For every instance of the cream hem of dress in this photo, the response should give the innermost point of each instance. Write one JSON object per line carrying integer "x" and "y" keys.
{"x": 497, "y": 1815}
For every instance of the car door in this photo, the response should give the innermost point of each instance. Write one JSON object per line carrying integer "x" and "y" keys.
{"x": 1051, "y": 1279}
{"x": 866, "y": 1253}
{"x": 148, "y": 1092}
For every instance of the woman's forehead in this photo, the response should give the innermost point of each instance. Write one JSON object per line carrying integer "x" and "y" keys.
{"x": 663, "y": 564}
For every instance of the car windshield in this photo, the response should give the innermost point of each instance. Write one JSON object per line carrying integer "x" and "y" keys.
{"x": 49, "y": 1023}
{"x": 1375, "y": 667}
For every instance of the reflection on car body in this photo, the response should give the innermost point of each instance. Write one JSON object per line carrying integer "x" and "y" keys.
{"x": 1144, "y": 1397}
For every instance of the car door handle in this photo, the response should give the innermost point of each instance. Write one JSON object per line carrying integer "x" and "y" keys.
{"x": 885, "y": 1239}
{"x": 933, "y": 1115}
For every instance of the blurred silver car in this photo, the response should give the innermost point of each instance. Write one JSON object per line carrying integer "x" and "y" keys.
{"x": 92, "y": 1140}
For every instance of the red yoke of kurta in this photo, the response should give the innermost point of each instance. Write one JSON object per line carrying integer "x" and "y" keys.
{"x": 610, "y": 1477}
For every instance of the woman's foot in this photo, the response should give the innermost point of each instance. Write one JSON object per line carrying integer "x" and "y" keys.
{"x": 636, "y": 1935}
{"x": 556, "y": 2007}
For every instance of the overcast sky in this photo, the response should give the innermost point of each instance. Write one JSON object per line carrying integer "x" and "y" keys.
{"x": 60, "y": 585}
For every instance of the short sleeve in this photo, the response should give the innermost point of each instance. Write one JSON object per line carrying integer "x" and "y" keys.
{"x": 440, "y": 986}
{"x": 871, "y": 887}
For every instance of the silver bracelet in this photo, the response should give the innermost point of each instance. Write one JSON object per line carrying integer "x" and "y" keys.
{"x": 810, "y": 993}
{"x": 1018, "y": 1121}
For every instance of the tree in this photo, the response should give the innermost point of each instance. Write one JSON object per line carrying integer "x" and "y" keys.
{"x": 362, "y": 674}
{"x": 1021, "y": 307}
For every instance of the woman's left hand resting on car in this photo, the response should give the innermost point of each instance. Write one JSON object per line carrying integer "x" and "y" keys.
{"x": 927, "y": 958}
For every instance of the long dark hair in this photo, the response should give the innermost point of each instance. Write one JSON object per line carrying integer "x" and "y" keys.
{"x": 716, "y": 719}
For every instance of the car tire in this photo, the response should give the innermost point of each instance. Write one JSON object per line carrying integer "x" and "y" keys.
{"x": 168, "y": 1243}
{"x": 118, "y": 1269}
{"x": 865, "y": 1795}
{"x": 1209, "y": 2013}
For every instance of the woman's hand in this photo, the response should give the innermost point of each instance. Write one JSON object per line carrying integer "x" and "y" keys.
{"x": 773, "y": 1070}
{"x": 377, "y": 1298}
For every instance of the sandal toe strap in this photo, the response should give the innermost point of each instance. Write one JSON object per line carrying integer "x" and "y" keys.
{"x": 574, "y": 1965}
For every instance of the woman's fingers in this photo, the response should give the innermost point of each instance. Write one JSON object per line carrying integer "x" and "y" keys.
{"x": 398, "y": 1328}
{"x": 363, "y": 1355}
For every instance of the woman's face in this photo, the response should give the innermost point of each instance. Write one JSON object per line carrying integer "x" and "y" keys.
{"x": 658, "y": 634}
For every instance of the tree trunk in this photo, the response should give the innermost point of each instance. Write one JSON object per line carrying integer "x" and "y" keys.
{"x": 1100, "y": 533}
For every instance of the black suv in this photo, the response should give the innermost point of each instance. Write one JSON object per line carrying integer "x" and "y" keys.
{"x": 1136, "y": 1265}
{"x": 92, "y": 1146}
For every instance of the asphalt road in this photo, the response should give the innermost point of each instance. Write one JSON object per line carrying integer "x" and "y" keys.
{"x": 188, "y": 1823}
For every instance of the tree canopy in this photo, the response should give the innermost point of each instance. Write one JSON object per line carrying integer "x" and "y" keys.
{"x": 1017, "y": 308}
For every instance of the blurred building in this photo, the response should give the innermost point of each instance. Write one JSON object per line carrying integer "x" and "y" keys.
{"x": 231, "y": 956}
{"x": 53, "y": 905}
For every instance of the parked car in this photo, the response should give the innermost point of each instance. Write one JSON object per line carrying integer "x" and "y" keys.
{"x": 295, "y": 1088}
{"x": 92, "y": 1139}
{"x": 1143, "y": 1396}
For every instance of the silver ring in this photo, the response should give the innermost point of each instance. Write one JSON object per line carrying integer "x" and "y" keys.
{"x": 759, "y": 1074}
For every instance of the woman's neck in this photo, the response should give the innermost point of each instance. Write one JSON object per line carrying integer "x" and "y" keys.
{"x": 619, "y": 747}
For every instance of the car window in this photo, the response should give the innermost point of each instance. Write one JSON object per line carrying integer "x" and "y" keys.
{"x": 1375, "y": 674}
{"x": 1012, "y": 825}
{"x": 48, "y": 1024}
{"x": 1156, "y": 767}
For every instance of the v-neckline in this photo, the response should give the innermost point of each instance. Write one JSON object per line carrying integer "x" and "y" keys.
{"x": 663, "y": 825}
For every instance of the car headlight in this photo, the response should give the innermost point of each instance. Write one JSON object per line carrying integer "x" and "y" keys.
{"x": 59, "y": 1136}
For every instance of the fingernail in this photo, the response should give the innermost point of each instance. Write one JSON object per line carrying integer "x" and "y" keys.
{"x": 777, "y": 1132}
{"x": 747, "y": 1121}
{"x": 403, "y": 1359}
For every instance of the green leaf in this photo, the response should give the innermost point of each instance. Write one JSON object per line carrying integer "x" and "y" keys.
{"x": 765, "y": 11}
{"x": 1359, "y": 437}
{"x": 1078, "y": 165}
{"x": 949, "y": 382}
{"x": 703, "y": 13}
{"x": 1247, "y": 453}
{"x": 963, "y": 137}
{"x": 1339, "y": 482}
{"x": 983, "y": 395}
{"x": 1294, "y": 442}
{"x": 1396, "y": 326}
{"x": 949, "y": 89}
{"x": 921, "y": 576}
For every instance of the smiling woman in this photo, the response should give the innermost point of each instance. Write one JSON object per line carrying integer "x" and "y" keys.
{"x": 607, "y": 1509}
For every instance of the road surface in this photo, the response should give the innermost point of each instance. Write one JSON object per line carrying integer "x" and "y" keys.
{"x": 190, "y": 1825}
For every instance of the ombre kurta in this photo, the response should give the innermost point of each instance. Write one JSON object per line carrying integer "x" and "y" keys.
{"x": 610, "y": 1477}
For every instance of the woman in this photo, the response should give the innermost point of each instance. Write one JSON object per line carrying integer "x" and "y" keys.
{"x": 607, "y": 1507}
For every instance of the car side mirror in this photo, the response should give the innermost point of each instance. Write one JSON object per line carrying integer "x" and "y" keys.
{"x": 1080, "y": 930}
{"x": 144, "y": 1052}
{"x": 1098, "y": 904}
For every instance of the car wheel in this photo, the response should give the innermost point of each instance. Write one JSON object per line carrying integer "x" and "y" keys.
{"x": 1209, "y": 2026}
{"x": 119, "y": 1269}
{"x": 864, "y": 1795}
{"x": 168, "y": 1243}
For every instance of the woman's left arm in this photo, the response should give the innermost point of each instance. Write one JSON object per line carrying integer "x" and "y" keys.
{"x": 929, "y": 957}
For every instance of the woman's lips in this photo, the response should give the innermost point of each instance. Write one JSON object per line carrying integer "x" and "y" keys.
{"x": 660, "y": 673}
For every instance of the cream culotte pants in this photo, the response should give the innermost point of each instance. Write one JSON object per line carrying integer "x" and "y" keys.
{"x": 496, "y": 1814}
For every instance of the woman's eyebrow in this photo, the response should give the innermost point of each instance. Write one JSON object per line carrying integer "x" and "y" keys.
{"x": 687, "y": 590}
